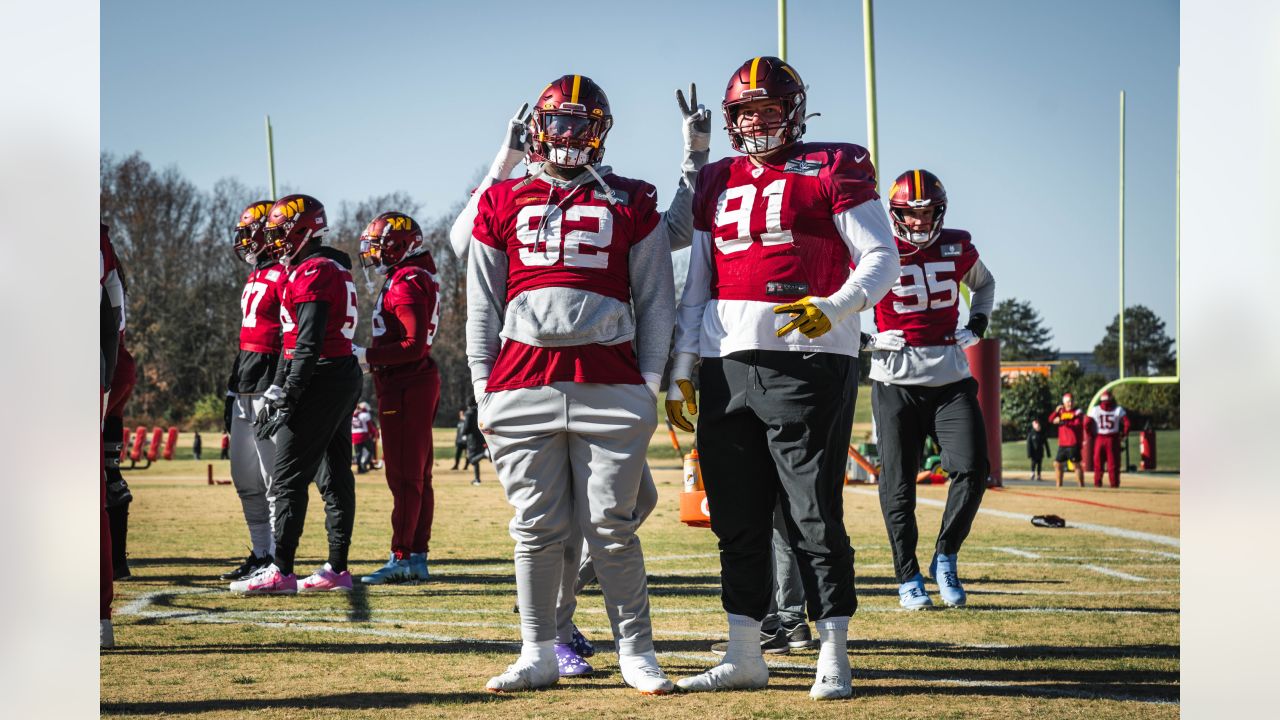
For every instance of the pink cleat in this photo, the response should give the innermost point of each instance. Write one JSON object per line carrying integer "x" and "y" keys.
{"x": 267, "y": 581}
{"x": 326, "y": 580}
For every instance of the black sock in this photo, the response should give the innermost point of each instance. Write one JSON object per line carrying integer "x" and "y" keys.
{"x": 284, "y": 559}
{"x": 338, "y": 558}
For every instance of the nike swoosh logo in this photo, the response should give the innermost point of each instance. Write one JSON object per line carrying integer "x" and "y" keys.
{"x": 651, "y": 194}
{"x": 312, "y": 271}
{"x": 860, "y": 159}
{"x": 807, "y": 356}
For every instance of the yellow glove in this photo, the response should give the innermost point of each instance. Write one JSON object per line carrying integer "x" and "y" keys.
{"x": 809, "y": 318}
{"x": 689, "y": 400}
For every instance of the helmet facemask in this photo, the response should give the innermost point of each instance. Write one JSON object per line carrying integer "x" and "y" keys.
{"x": 248, "y": 242}
{"x": 569, "y": 137}
{"x": 921, "y": 238}
{"x": 765, "y": 136}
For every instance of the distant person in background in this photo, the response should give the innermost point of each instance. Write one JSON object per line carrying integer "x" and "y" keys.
{"x": 1070, "y": 422}
{"x": 197, "y": 446}
{"x": 460, "y": 442}
{"x": 360, "y": 437}
{"x": 1037, "y": 448}
{"x": 1111, "y": 425}
{"x": 477, "y": 448}
{"x": 226, "y": 446}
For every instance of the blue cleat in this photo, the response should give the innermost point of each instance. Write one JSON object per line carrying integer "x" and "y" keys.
{"x": 418, "y": 566}
{"x": 581, "y": 644}
{"x": 395, "y": 571}
{"x": 943, "y": 570}
{"x": 911, "y": 594}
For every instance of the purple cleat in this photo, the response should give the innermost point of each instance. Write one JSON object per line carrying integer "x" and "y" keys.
{"x": 581, "y": 644}
{"x": 571, "y": 663}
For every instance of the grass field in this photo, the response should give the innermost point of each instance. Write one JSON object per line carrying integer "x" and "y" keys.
{"x": 1074, "y": 623}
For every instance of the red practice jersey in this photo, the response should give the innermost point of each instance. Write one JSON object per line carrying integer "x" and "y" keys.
{"x": 774, "y": 240}
{"x": 571, "y": 239}
{"x": 359, "y": 426}
{"x": 1070, "y": 426}
{"x": 260, "y": 309}
{"x": 321, "y": 279}
{"x": 405, "y": 318}
{"x": 925, "y": 302}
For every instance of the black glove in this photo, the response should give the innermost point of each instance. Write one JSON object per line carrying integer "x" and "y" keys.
{"x": 228, "y": 410}
{"x": 977, "y": 325}
{"x": 274, "y": 415}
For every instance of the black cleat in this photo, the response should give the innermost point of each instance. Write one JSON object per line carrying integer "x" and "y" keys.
{"x": 247, "y": 568}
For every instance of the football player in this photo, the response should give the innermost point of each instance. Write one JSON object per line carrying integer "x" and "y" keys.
{"x": 789, "y": 245}
{"x": 567, "y": 268}
{"x": 309, "y": 404}
{"x": 1110, "y": 424}
{"x": 572, "y": 648}
{"x": 921, "y": 384}
{"x": 111, "y": 322}
{"x": 252, "y": 373}
{"x": 405, "y": 318}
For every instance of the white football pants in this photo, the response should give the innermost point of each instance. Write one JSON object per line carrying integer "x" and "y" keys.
{"x": 251, "y": 463}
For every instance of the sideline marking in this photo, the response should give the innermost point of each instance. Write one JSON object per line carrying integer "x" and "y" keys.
{"x": 1019, "y": 553}
{"x": 1115, "y": 573}
{"x": 1091, "y": 527}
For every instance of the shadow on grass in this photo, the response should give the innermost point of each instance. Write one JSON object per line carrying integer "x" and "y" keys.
{"x": 333, "y": 648}
{"x": 1019, "y": 652}
{"x": 343, "y": 701}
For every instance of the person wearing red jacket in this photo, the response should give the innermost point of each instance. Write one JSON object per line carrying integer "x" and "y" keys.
{"x": 111, "y": 324}
{"x": 1110, "y": 424}
{"x": 1070, "y": 422}
{"x": 405, "y": 318}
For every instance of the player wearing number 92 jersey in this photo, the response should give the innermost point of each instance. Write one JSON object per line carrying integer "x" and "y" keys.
{"x": 921, "y": 384}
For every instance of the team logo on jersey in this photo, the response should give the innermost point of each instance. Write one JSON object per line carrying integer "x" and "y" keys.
{"x": 620, "y": 197}
{"x": 786, "y": 288}
{"x": 273, "y": 275}
{"x": 951, "y": 250}
{"x": 800, "y": 166}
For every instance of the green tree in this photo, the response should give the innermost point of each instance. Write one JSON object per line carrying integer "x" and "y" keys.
{"x": 1022, "y": 333}
{"x": 1069, "y": 378}
{"x": 1158, "y": 403}
{"x": 1025, "y": 398}
{"x": 1147, "y": 349}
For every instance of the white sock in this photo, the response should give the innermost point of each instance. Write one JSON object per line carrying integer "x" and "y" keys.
{"x": 538, "y": 653}
{"x": 833, "y": 655}
{"x": 262, "y": 539}
{"x": 744, "y": 639}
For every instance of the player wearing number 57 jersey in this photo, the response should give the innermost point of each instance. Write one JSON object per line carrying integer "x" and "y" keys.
{"x": 309, "y": 404}
{"x": 790, "y": 242}
{"x": 405, "y": 377}
{"x": 253, "y": 460}
{"x": 921, "y": 383}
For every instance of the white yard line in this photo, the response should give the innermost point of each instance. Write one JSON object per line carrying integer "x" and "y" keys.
{"x": 1115, "y": 573}
{"x": 1018, "y": 553}
{"x": 1090, "y": 527}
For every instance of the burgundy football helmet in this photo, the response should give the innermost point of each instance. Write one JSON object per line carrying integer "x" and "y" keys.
{"x": 765, "y": 78}
{"x": 293, "y": 224}
{"x": 247, "y": 237}
{"x": 390, "y": 238}
{"x": 570, "y": 121}
{"x": 917, "y": 190}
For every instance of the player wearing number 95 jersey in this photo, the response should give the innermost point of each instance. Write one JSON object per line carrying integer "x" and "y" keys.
{"x": 253, "y": 371}
{"x": 309, "y": 405}
{"x": 790, "y": 243}
{"x": 921, "y": 382}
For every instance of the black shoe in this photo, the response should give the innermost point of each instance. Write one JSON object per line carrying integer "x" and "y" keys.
{"x": 769, "y": 644}
{"x": 475, "y": 482}
{"x": 120, "y": 572}
{"x": 798, "y": 636}
{"x": 248, "y": 567}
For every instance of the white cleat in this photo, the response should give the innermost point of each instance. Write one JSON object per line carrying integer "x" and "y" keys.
{"x": 750, "y": 675}
{"x": 524, "y": 676}
{"x": 106, "y": 636}
{"x": 831, "y": 687}
{"x": 647, "y": 677}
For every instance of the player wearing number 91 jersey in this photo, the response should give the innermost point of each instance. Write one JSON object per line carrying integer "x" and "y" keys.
{"x": 921, "y": 383}
{"x": 790, "y": 243}
{"x": 309, "y": 405}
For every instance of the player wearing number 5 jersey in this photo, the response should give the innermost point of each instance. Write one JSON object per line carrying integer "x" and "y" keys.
{"x": 921, "y": 384}
{"x": 789, "y": 244}
{"x": 253, "y": 460}
{"x": 405, "y": 377}
{"x": 570, "y": 301}
{"x": 309, "y": 405}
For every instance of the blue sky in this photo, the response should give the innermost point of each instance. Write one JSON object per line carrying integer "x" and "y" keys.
{"x": 1013, "y": 104}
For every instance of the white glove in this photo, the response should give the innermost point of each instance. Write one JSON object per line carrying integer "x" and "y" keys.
{"x": 273, "y": 393}
{"x": 360, "y": 353}
{"x": 966, "y": 338}
{"x": 697, "y": 121}
{"x": 889, "y": 340}
{"x": 477, "y": 387}
{"x": 652, "y": 382}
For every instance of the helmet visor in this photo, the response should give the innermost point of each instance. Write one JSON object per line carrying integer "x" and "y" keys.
{"x": 568, "y": 127}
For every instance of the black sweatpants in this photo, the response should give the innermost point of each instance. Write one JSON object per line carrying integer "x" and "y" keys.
{"x": 315, "y": 444}
{"x": 775, "y": 425}
{"x": 905, "y": 415}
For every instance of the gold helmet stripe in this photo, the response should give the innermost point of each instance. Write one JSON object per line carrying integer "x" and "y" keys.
{"x": 577, "y": 82}
{"x": 755, "y": 65}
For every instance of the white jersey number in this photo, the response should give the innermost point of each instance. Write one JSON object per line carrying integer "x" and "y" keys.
{"x": 924, "y": 288}
{"x": 249, "y": 301}
{"x": 740, "y": 217}
{"x": 579, "y": 248}
{"x": 353, "y": 305}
